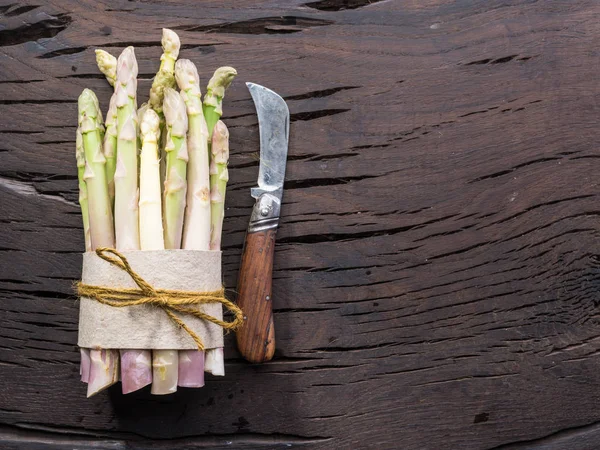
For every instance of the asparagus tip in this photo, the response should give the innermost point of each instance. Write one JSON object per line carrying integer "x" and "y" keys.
{"x": 150, "y": 126}
{"x": 215, "y": 91}
{"x": 107, "y": 64}
{"x": 127, "y": 65}
{"x": 175, "y": 111}
{"x": 221, "y": 79}
{"x": 170, "y": 42}
{"x": 90, "y": 117}
{"x": 186, "y": 75}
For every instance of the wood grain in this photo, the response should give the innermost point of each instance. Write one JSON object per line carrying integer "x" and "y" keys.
{"x": 437, "y": 264}
{"x": 256, "y": 338}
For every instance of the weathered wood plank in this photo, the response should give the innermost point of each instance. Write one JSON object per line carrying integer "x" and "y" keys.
{"x": 436, "y": 268}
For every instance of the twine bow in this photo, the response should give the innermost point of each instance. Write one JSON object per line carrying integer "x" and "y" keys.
{"x": 171, "y": 301}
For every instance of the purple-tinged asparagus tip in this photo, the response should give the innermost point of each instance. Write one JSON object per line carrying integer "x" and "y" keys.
{"x": 136, "y": 370}
{"x": 191, "y": 368}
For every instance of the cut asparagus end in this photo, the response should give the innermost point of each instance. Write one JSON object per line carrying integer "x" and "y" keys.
{"x": 215, "y": 362}
{"x": 136, "y": 369}
{"x": 191, "y": 368}
{"x": 107, "y": 64}
{"x": 165, "y": 365}
{"x": 84, "y": 367}
{"x": 104, "y": 370}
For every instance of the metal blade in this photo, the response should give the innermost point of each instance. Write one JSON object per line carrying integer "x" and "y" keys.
{"x": 274, "y": 125}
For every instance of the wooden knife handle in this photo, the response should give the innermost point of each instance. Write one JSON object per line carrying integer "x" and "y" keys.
{"x": 256, "y": 338}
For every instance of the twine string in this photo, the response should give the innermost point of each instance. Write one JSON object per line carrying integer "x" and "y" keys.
{"x": 169, "y": 300}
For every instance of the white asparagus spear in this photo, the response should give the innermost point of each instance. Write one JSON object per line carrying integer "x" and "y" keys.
{"x": 135, "y": 363}
{"x": 165, "y": 362}
{"x": 151, "y": 229}
{"x": 196, "y": 228}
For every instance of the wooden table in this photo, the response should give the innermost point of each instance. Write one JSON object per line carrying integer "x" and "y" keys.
{"x": 437, "y": 268}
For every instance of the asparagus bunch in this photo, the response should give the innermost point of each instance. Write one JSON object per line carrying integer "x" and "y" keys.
{"x": 179, "y": 151}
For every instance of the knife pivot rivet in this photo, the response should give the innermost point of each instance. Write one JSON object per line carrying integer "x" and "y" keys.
{"x": 264, "y": 212}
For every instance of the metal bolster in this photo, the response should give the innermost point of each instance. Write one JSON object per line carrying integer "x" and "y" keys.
{"x": 265, "y": 214}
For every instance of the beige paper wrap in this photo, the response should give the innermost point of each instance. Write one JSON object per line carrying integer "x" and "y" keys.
{"x": 145, "y": 326}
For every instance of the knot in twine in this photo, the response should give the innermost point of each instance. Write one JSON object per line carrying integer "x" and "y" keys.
{"x": 171, "y": 301}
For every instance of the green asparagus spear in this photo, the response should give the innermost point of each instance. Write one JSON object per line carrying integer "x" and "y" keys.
{"x": 165, "y": 76}
{"x": 83, "y": 196}
{"x": 100, "y": 211}
{"x": 213, "y": 110}
{"x": 104, "y": 364}
{"x": 110, "y": 146}
{"x": 126, "y": 173}
{"x": 218, "y": 182}
{"x": 196, "y": 231}
{"x": 213, "y": 99}
{"x": 176, "y": 176}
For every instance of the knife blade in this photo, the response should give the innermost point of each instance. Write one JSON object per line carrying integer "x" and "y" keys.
{"x": 256, "y": 338}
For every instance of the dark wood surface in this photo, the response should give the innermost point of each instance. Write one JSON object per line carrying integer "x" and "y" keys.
{"x": 256, "y": 338}
{"x": 437, "y": 264}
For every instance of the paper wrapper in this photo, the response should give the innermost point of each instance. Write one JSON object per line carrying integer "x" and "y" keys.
{"x": 145, "y": 326}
